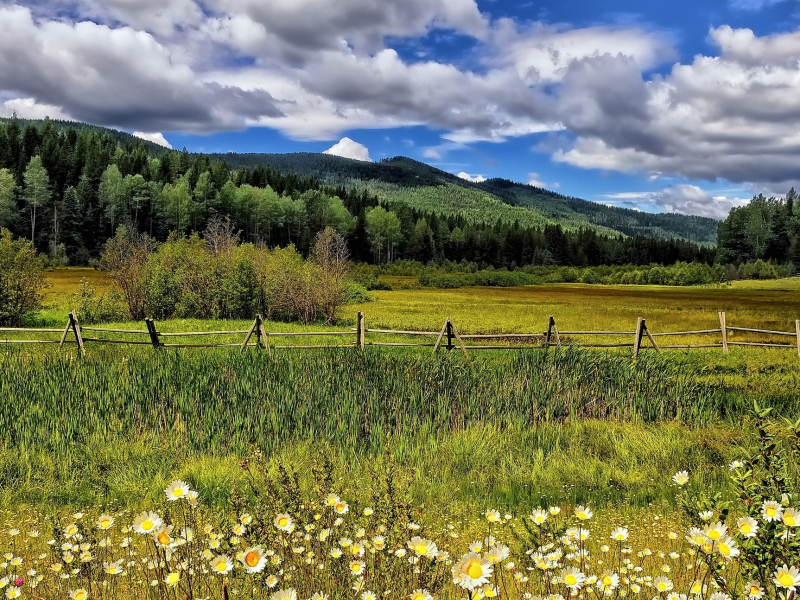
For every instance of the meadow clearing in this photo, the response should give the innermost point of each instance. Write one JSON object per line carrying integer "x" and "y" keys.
{"x": 420, "y": 453}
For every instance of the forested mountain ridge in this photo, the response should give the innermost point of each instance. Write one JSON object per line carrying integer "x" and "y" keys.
{"x": 69, "y": 188}
{"x": 400, "y": 177}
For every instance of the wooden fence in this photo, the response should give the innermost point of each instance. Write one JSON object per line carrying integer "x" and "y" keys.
{"x": 448, "y": 338}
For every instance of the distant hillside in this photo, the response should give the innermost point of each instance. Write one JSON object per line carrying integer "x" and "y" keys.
{"x": 427, "y": 188}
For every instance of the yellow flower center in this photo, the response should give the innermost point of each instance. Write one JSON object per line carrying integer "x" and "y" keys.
{"x": 714, "y": 534}
{"x": 421, "y": 549}
{"x": 582, "y": 515}
{"x": 283, "y": 522}
{"x": 163, "y": 538}
{"x": 80, "y": 596}
{"x": 661, "y": 587}
{"x": 475, "y": 570}
{"x": 771, "y": 511}
{"x": 251, "y": 559}
{"x": 724, "y": 549}
{"x": 221, "y": 566}
{"x": 607, "y": 581}
{"x": 356, "y": 568}
{"x": 147, "y": 525}
{"x": 786, "y": 580}
{"x": 745, "y": 528}
{"x": 789, "y": 520}
{"x": 418, "y": 596}
{"x": 339, "y": 507}
{"x": 570, "y": 580}
{"x": 754, "y": 590}
{"x": 173, "y": 578}
{"x": 105, "y": 524}
{"x": 177, "y": 492}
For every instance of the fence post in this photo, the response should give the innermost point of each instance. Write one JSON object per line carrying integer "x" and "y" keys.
{"x": 151, "y": 329}
{"x": 550, "y": 324}
{"x": 263, "y": 332}
{"x": 66, "y": 331}
{"x": 797, "y": 327}
{"x": 723, "y": 324}
{"x": 253, "y": 328}
{"x": 458, "y": 338}
{"x": 449, "y": 326}
{"x": 360, "y": 332}
{"x": 650, "y": 337}
{"x": 76, "y": 327}
{"x": 441, "y": 335}
{"x": 637, "y": 342}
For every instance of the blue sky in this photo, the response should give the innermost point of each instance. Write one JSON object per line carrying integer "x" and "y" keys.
{"x": 685, "y": 106}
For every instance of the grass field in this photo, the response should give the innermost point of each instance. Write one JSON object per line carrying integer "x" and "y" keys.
{"x": 505, "y": 430}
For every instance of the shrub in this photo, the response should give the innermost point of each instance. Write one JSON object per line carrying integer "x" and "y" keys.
{"x": 21, "y": 279}
{"x": 97, "y": 308}
{"x": 354, "y": 293}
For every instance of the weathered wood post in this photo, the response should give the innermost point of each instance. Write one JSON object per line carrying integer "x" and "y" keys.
{"x": 724, "y": 326}
{"x": 76, "y": 327}
{"x": 637, "y": 341}
{"x": 550, "y": 325}
{"x": 254, "y": 328}
{"x": 66, "y": 331}
{"x": 360, "y": 332}
{"x": 151, "y": 329}
{"x": 650, "y": 337}
{"x": 263, "y": 332}
{"x": 797, "y": 327}
{"x": 449, "y": 326}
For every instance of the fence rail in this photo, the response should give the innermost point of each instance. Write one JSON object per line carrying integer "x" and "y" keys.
{"x": 448, "y": 338}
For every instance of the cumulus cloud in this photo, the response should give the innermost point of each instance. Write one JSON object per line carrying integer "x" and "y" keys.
{"x": 29, "y": 108}
{"x": 120, "y": 77}
{"x": 535, "y": 181}
{"x": 347, "y": 148}
{"x": 683, "y": 199}
{"x": 472, "y": 178}
{"x": 156, "y": 138}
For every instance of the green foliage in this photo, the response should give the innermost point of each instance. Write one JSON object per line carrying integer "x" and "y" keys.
{"x": 37, "y": 189}
{"x": 355, "y": 293}
{"x": 21, "y": 279}
{"x": 94, "y": 307}
{"x": 8, "y": 206}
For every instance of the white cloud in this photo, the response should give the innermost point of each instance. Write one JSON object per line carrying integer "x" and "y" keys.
{"x": 472, "y": 178}
{"x": 28, "y": 108}
{"x": 156, "y": 138}
{"x": 347, "y": 148}
{"x": 682, "y": 199}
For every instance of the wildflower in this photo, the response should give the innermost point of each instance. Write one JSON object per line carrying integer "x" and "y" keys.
{"x": 253, "y": 559}
{"x": 341, "y": 507}
{"x": 790, "y": 517}
{"x": 287, "y": 594}
{"x": 696, "y": 536}
{"x": 697, "y": 588}
{"x": 357, "y": 568}
{"x": 607, "y": 581}
{"x": 727, "y": 548}
{"x": 319, "y": 596}
{"x": 379, "y": 542}
{"x": 113, "y": 568}
{"x": 176, "y": 490}
{"x": 163, "y": 536}
{"x": 147, "y": 522}
{"x": 681, "y": 478}
{"x": 737, "y": 464}
{"x": 80, "y": 594}
{"x": 754, "y": 590}
{"x": 245, "y": 519}
{"x": 422, "y": 546}
{"x": 420, "y": 595}
{"x": 748, "y": 527}
{"x": 583, "y": 513}
{"x": 492, "y": 516}
{"x": 284, "y": 523}
{"x": 13, "y": 592}
{"x": 472, "y": 571}
{"x": 498, "y": 553}
{"x": 715, "y": 532}
{"x": 331, "y": 499}
{"x": 222, "y": 565}
{"x": 70, "y": 530}
{"x": 554, "y": 510}
{"x": 573, "y": 578}
{"x": 368, "y": 596}
{"x": 620, "y": 534}
{"x": 706, "y": 515}
{"x": 771, "y": 510}
{"x": 172, "y": 579}
{"x": 787, "y": 578}
{"x": 662, "y": 584}
{"x": 272, "y": 581}
{"x": 539, "y": 516}
{"x": 720, "y": 596}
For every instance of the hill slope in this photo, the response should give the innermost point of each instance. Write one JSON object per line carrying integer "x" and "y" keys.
{"x": 421, "y": 186}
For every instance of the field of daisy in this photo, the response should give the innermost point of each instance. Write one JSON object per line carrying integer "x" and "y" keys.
{"x": 130, "y": 473}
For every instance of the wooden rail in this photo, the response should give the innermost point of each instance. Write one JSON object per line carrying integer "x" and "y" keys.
{"x": 447, "y": 338}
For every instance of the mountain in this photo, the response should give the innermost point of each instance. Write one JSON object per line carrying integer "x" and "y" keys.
{"x": 426, "y": 188}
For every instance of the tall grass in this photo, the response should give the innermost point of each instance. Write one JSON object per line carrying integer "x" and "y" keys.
{"x": 229, "y": 401}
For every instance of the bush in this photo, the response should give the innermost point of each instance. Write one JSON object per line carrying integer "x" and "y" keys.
{"x": 354, "y": 293}
{"x": 97, "y": 308}
{"x": 21, "y": 280}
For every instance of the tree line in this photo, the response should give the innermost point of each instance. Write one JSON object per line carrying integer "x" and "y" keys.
{"x": 766, "y": 229}
{"x": 68, "y": 189}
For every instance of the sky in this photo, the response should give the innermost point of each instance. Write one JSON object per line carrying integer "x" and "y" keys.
{"x": 681, "y": 106}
